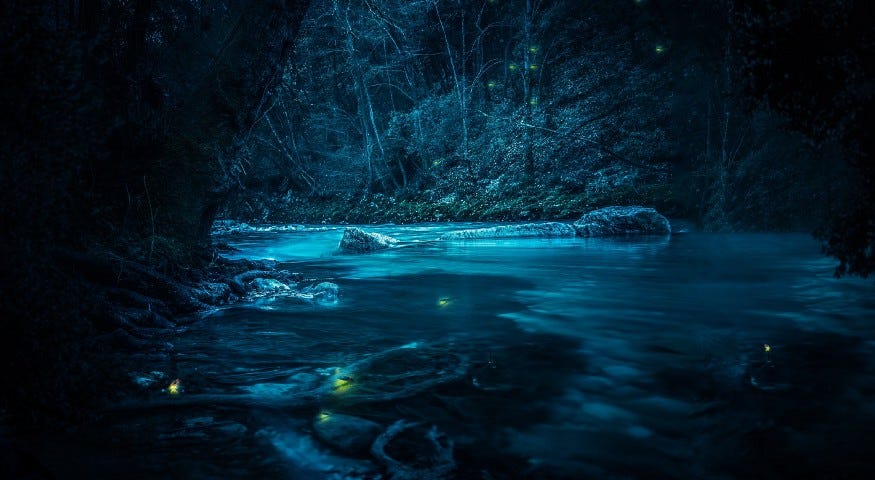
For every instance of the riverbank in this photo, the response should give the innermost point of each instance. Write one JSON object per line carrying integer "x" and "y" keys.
{"x": 123, "y": 314}
{"x": 525, "y": 204}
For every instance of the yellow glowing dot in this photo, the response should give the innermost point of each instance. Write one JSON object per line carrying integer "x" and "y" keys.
{"x": 533, "y": 67}
{"x": 323, "y": 416}
{"x": 533, "y": 102}
{"x": 443, "y": 301}
{"x": 660, "y": 48}
{"x": 767, "y": 347}
{"x": 533, "y": 49}
{"x": 342, "y": 384}
{"x": 512, "y": 67}
{"x": 173, "y": 388}
{"x": 436, "y": 163}
{"x": 491, "y": 84}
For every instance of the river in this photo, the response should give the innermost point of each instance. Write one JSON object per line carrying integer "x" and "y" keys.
{"x": 690, "y": 356}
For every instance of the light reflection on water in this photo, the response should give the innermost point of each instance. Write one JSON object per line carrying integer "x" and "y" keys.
{"x": 638, "y": 357}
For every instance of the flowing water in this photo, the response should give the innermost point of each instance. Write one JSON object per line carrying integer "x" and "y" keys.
{"x": 690, "y": 356}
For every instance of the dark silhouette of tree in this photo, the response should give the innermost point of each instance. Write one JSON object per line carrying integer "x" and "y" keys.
{"x": 811, "y": 61}
{"x": 122, "y": 124}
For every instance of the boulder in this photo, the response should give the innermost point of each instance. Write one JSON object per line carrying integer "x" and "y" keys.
{"x": 527, "y": 230}
{"x": 346, "y": 433}
{"x": 622, "y": 221}
{"x": 356, "y": 240}
{"x": 263, "y": 282}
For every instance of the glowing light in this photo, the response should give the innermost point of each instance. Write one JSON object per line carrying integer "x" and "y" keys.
{"x": 512, "y": 67}
{"x": 533, "y": 49}
{"x": 444, "y": 302}
{"x": 533, "y": 67}
{"x": 342, "y": 384}
{"x": 174, "y": 387}
{"x": 491, "y": 84}
{"x": 659, "y": 49}
{"x": 767, "y": 347}
{"x": 533, "y": 101}
{"x": 324, "y": 415}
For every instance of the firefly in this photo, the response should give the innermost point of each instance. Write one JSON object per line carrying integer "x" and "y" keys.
{"x": 533, "y": 102}
{"x": 533, "y": 67}
{"x": 512, "y": 67}
{"x": 491, "y": 84}
{"x": 767, "y": 348}
{"x": 174, "y": 387}
{"x": 342, "y": 384}
{"x": 659, "y": 49}
{"x": 533, "y": 49}
{"x": 443, "y": 301}
{"x": 324, "y": 416}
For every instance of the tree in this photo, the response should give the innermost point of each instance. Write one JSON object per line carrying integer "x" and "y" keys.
{"x": 121, "y": 127}
{"x": 810, "y": 61}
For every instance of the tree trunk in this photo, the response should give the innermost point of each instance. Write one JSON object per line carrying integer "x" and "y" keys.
{"x": 207, "y": 127}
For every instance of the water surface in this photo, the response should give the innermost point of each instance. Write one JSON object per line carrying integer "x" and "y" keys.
{"x": 690, "y": 356}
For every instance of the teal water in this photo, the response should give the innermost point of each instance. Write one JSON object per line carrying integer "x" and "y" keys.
{"x": 576, "y": 358}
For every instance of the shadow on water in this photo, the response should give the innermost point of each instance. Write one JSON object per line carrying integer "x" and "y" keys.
{"x": 802, "y": 409}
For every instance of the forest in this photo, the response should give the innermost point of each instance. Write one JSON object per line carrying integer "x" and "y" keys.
{"x": 503, "y": 110}
{"x": 129, "y": 127}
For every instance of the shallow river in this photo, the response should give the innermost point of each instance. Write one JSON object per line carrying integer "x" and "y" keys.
{"x": 690, "y": 356}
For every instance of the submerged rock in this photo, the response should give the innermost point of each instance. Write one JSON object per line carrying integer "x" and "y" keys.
{"x": 346, "y": 433}
{"x": 269, "y": 285}
{"x": 621, "y": 221}
{"x": 148, "y": 380}
{"x": 417, "y": 453}
{"x": 356, "y": 240}
{"x": 545, "y": 230}
{"x": 324, "y": 292}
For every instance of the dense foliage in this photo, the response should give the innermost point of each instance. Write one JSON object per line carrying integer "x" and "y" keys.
{"x": 506, "y": 110}
{"x": 470, "y": 101}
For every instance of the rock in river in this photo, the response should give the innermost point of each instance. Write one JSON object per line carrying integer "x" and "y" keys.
{"x": 325, "y": 293}
{"x": 346, "y": 433}
{"x": 546, "y": 230}
{"x": 621, "y": 221}
{"x": 213, "y": 293}
{"x": 269, "y": 285}
{"x": 356, "y": 240}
